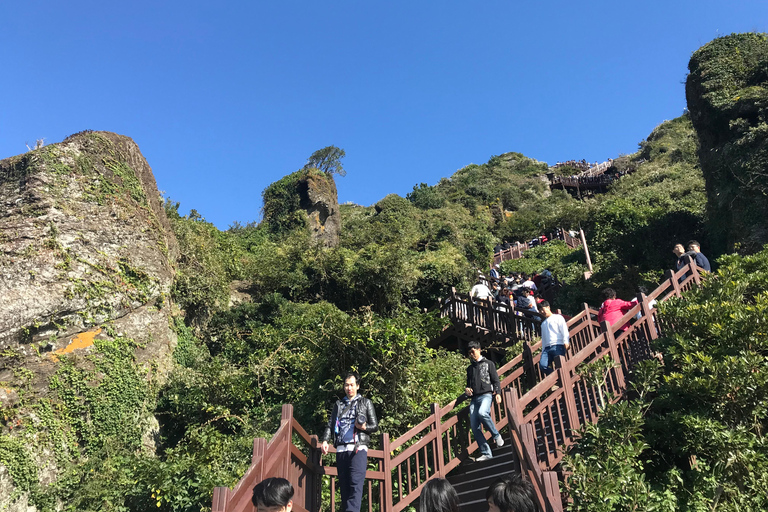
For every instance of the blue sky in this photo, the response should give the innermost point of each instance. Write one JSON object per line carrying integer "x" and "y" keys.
{"x": 225, "y": 98}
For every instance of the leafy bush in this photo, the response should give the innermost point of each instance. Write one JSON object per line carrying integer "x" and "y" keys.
{"x": 696, "y": 441}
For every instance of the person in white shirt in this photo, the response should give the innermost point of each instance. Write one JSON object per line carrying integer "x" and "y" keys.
{"x": 554, "y": 337}
{"x": 481, "y": 291}
{"x": 529, "y": 284}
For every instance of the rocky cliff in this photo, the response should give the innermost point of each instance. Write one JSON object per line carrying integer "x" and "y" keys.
{"x": 86, "y": 253}
{"x": 305, "y": 198}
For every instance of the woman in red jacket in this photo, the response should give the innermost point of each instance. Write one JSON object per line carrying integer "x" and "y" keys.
{"x": 613, "y": 308}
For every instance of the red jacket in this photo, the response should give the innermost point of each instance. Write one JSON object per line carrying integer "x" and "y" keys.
{"x": 612, "y": 310}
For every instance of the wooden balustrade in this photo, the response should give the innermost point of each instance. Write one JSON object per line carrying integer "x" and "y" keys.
{"x": 539, "y": 414}
{"x": 516, "y": 251}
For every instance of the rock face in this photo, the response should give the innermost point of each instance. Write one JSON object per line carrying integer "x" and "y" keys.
{"x": 321, "y": 201}
{"x": 86, "y": 252}
{"x": 307, "y": 197}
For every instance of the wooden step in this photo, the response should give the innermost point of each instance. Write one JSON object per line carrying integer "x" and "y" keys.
{"x": 471, "y": 479}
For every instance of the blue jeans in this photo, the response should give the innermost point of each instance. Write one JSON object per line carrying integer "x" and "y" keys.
{"x": 547, "y": 355}
{"x": 480, "y": 413}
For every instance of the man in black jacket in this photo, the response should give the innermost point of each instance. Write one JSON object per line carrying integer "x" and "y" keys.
{"x": 482, "y": 384}
{"x": 352, "y": 421}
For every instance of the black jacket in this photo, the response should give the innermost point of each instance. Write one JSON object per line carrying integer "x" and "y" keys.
{"x": 364, "y": 407}
{"x": 482, "y": 377}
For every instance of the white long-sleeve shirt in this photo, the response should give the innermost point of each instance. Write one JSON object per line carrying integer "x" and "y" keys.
{"x": 481, "y": 291}
{"x": 554, "y": 331}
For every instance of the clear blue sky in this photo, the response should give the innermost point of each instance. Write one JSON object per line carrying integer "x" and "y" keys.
{"x": 226, "y": 97}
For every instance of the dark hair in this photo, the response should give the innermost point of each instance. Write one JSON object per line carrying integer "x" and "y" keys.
{"x": 352, "y": 373}
{"x": 693, "y": 242}
{"x": 512, "y": 493}
{"x": 438, "y": 495}
{"x": 473, "y": 344}
{"x": 642, "y": 289}
{"x": 272, "y": 492}
{"x": 609, "y": 294}
{"x": 544, "y": 304}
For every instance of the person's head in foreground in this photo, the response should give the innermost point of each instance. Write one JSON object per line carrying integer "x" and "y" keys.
{"x": 438, "y": 495}
{"x": 511, "y": 493}
{"x": 273, "y": 495}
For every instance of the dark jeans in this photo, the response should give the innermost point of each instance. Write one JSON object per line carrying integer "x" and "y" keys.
{"x": 547, "y": 355}
{"x": 352, "y": 467}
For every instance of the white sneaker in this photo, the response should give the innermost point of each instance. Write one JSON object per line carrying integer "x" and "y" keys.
{"x": 499, "y": 441}
{"x": 483, "y": 457}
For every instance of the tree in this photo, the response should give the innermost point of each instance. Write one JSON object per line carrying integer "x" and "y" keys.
{"x": 327, "y": 160}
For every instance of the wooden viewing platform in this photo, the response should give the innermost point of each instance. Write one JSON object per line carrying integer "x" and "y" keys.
{"x": 538, "y": 420}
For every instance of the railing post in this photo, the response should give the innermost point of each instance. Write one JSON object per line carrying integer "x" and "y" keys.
{"x": 564, "y": 374}
{"x": 528, "y": 369}
{"x": 259, "y": 451}
{"x": 695, "y": 271}
{"x": 220, "y": 497}
{"x": 286, "y": 416}
{"x": 317, "y": 482}
{"x": 614, "y": 349}
{"x": 646, "y": 313}
{"x": 673, "y": 280}
{"x": 437, "y": 428}
{"x": 388, "y": 490}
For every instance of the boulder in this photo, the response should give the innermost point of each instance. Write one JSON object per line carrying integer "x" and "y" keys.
{"x": 86, "y": 252}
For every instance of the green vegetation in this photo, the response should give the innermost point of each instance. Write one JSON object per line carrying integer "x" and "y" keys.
{"x": 727, "y": 92}
{"x": 694, "y": 437}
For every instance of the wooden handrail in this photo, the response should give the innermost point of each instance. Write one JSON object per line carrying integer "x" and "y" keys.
{"x": 531, "y": 410}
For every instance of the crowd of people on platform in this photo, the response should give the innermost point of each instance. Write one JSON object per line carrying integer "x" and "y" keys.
{"x": 582, "y": 164}
{"x": 517, "y": 291}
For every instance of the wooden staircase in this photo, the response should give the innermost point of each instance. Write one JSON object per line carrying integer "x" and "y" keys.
{"x": 538, "y": 418}
{"x": 471, "y": 480}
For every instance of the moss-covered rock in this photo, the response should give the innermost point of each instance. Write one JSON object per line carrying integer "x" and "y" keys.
{"x": 85, "y": 248}
{"x": 727, "y": 93}
{"x": 305, "y": 199}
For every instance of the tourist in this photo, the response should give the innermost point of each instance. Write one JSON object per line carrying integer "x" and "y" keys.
{"x": 511, "y": 493}
{"x": 701, "y": 260}
{"x": 554, "y": 337}
{"x": 682, "y": 258}
{"x": 481, "y": 290}
{"x": 528, "y": 283}
{"x": 273, "y": 495}
{"x": 438, "y": 495}
{"x": 352, "y": 421}
{"x": 612, "y": 309}
{"x": 482, "y": 385}
{"x": 495, "y": 272}
{"x": 526, "y": 302}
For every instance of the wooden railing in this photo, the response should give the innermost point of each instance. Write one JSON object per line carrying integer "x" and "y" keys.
{"x": 516, "y": 251}
{"x": 539, "y": 418}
